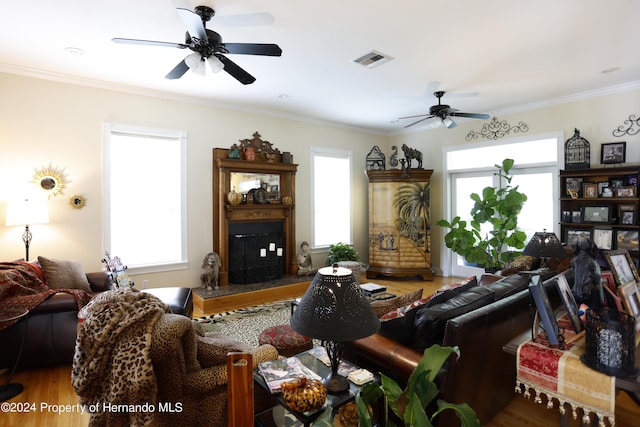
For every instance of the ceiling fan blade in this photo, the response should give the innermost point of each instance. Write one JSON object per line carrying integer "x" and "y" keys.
{"x": 253, "y": 49}
{"x": 236, "y": 71}
{"x": 178, "y": 71}
{"x": 413, "y": 117}
{"x": 471, "y": 115}
{"x": 419, "y": 121}
{"x": 149, "y": 43}
{"x": 193, "y": 22}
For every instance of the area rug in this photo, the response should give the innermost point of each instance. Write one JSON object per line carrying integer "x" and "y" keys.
{"x": 246, "y": 324}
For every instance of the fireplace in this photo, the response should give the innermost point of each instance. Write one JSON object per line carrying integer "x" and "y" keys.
{"x": 241, "y": 231}
{"x": 256, "y": 252}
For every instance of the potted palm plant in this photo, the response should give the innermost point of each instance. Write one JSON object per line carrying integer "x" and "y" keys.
{"x": 498, "y": 207}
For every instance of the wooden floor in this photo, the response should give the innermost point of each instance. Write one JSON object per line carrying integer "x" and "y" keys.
{"x": 48, "y": 391}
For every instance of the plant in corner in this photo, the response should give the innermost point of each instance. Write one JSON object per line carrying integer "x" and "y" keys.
{"x": 341, "y": 252}
{"x": 499, "y": 208}
{"x": 412, "y": 403}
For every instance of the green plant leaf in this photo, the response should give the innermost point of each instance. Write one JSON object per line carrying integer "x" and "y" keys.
{"x": 464, "y": 412}
{"x": 415, "y": 415}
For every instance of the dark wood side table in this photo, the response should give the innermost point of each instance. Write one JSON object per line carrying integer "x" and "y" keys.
{"x": 10, "y": 390}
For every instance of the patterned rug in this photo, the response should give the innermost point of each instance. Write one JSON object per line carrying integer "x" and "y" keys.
{"x": 246, "y": 324}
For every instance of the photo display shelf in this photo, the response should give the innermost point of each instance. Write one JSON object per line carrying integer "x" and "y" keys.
{"x": 603, "y": 205}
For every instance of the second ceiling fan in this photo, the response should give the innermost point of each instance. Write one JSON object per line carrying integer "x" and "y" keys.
{"x": 442, "y": 114}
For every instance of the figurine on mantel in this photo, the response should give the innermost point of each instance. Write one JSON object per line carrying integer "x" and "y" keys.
{"x": 211, "y": 270}
{"x": 305, "y": 265}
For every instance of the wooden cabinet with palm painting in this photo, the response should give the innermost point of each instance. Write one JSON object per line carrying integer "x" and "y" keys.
{"x": 399, "y": 229}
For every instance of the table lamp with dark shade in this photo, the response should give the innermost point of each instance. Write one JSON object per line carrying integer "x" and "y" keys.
{"x": 544, "y": 246}
{"x": 334, "y": 310}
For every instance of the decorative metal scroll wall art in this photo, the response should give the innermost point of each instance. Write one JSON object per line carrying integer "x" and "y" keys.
{"x": 577, "y": 152}
{"x": 497, "y": 129}
{"x": 375, "y": 159}
{"x": 631, "y": 126}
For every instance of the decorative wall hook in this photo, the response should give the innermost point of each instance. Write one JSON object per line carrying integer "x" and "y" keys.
{"x": 631, "y": 126}
{"x": 497, "y": 129}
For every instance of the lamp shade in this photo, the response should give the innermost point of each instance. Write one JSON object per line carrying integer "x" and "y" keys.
{"x": 545, "y": 245}
{"x": 334, "y": 308}
{"x": 27, "y": 212}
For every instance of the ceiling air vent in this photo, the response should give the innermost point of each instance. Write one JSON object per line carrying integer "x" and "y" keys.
{"x": 373, "y": 59}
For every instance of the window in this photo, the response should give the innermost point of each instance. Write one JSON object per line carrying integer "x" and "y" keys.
{"x": 144, "y": 188}
{"x": 470, "y": 168}
{"x": 331, "y": 196}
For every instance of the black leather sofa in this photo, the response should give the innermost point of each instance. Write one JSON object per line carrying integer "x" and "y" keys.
{"x": 484, "y": 375}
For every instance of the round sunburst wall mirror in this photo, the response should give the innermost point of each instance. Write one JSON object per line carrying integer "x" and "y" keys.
{"x": 77, "y": 201}
{"x": 51, "y": 179}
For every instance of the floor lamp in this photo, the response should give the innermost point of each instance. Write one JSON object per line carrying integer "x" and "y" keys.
{"x": 27, "y": 212}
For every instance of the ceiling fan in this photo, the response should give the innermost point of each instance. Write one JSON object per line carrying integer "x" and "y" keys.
{"x": 443, "y": 114}
{"x": 207, "y": 46}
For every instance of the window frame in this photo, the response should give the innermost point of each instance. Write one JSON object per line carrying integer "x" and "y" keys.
{"x": 141, "y": 131}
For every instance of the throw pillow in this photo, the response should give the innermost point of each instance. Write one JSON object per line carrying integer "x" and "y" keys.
{"x": 384, "y": 306}
{"x": 61, "y": 274}
{"x": 213, "y": 348}
{"x": 521, "y": 263}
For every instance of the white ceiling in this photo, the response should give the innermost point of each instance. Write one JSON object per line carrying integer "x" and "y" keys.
{"x": 512, "y": 54}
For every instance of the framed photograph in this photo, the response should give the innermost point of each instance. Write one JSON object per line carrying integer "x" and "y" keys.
{"x": 544, "y": 312}
{"x": 566, "y": 216}
{"x": 590, "y": 191}
{"x": 627, "y": 214}
{"x": 622, "y": 266}
{"x": 627, "y": 240}
{"x": 598, "y": 214}
{"x": 631, "y": 299}
{"x": 573, "y": 185}
{"x": 569, "y": 303}
{"x": 603, "y": 238}
{"x": 613, "y": 152}
{"x": 576, "y": 216}
{"x": 627, "y": 217}
{"x": 616, "y": 183}
{"x": 604, "y": 190}
{"x": 572, "y": 235}
{"x": 610, "y": 295}
{"x": 625, "y": 191}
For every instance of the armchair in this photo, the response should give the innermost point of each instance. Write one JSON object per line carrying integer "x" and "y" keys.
{"x": 191, "y": 371}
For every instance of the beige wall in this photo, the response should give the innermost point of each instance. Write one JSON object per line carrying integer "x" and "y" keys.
{"x": 44, "y": 122}
{"x": 596, "y": 118}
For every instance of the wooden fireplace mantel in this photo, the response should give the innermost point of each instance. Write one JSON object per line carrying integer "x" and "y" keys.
{"x": 225, "y": 214}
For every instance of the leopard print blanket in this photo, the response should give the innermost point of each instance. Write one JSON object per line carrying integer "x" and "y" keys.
{"x": 112, "y": 364}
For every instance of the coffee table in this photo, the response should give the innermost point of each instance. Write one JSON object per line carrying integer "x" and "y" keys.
{"x": 10, "y": 390}
{"x": 265, "y": 418}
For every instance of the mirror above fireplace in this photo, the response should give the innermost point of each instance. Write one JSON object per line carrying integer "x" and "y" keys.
{"x": 242, "y": 182}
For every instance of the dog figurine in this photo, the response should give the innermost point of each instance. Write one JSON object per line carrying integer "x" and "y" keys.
{"x": 211, "y": 267}
{"x": 587, "y": 288}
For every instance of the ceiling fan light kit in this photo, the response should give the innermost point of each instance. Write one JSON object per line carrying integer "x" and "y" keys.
{"x": 207, "y": 45}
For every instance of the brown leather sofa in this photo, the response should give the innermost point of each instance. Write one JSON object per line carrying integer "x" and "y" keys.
{"x": 484, "y": 375}
{"x": 50, "y": 335}
{"x": 51, "y": 327}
